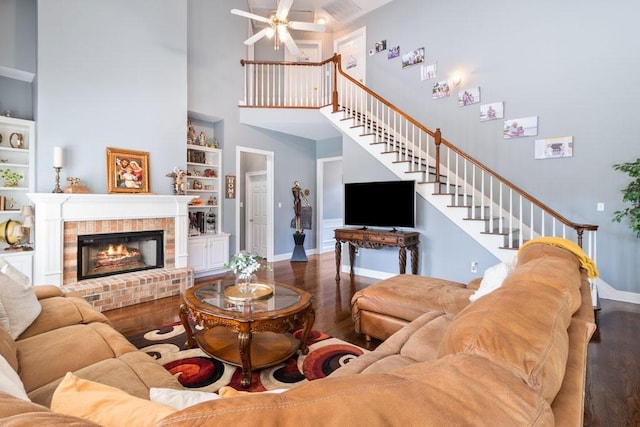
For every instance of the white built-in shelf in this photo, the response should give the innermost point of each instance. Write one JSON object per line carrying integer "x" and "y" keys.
{"x": 14, "y": 73}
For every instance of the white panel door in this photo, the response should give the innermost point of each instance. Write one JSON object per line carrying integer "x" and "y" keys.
{"x": 353, "y": 50}
{"x": 257, "y": 192}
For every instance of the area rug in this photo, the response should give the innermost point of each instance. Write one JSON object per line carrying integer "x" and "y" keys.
{"x": 197, "y": 371}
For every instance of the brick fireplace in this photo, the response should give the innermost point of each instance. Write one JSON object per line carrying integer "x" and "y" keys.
{"x": 61, "y": 218}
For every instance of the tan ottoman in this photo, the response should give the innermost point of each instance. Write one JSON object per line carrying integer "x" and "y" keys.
{"x": 386, "y": 306}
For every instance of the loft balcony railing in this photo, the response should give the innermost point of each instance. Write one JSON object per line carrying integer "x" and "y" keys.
{"x": 505, "y": 209}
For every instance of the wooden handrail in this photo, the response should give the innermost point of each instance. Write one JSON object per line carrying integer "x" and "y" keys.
{"x": 244, "y": 62}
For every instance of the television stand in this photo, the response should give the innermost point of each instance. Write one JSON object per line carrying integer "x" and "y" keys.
{"x": 374, "y": 239}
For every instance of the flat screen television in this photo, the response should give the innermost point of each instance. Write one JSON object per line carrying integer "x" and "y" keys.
{"x": 380, "y": 204}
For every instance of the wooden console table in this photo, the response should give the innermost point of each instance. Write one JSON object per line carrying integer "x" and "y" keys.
{"x": 374, "y": 239}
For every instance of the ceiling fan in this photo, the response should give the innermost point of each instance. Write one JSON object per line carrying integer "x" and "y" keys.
{"x": 278, "y": 26}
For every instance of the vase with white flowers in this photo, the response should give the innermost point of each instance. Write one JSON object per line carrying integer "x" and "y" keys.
{"x": 245, "y": 266}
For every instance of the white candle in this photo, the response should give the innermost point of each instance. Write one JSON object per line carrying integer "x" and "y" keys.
{"x": 57, "y": 157}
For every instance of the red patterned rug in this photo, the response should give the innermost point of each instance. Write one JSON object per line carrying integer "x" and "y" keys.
{"x": 197, "y": 371}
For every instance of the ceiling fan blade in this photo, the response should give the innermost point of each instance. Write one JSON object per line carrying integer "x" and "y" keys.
{"x": 291, "y": 45}
{"x": 306, "y": 26}
{"x": 250, "y": 15}
{"x": 257, "y": 36}
{"x": 283, "y": 9}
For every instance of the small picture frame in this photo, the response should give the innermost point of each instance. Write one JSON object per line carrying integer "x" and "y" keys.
{"x": 127, "y": 171}
{"x": 230, "y": 187}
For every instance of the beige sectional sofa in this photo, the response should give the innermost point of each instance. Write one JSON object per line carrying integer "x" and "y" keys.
{"x": 69, "y": 335}
{"x": 516, "y": 356}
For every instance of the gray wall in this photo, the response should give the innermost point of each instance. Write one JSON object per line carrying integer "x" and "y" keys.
{"x": 570, "y": 63}
{"x": 111, "y": 74}
{"x": 17, "y": 51}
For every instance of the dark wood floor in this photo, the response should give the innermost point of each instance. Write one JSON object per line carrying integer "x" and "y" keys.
{"x": 613, "y": 372}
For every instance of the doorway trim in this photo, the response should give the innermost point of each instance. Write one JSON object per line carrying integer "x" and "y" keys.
{"x": 240, "y": 184}
{"x": 320, "y": 199}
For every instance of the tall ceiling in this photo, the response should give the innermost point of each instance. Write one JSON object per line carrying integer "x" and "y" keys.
{"x": 336, "y": 12}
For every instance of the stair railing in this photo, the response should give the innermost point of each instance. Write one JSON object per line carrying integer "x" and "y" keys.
{"x": 504, "y": 208}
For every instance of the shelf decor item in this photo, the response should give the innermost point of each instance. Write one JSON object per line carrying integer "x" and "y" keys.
{"x": 179, "y": 181}
{"x": 16, "y": 140}
{"x": 75, "y": 186}
{"x": 11, "y": 178}
{"x": 11, "y": 232}
{"x": 127, "y": 171}
{"x": 245, "y": 266}
{"x": 57, "y": 166}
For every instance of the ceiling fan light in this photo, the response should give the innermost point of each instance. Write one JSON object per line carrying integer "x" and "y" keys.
{"x": 282, "y": 30}
{"x": 270, "y": 32}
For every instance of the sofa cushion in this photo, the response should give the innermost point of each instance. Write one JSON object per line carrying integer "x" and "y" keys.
{"x": 20, "y": 306}
{"x": 552, "y": 270}
{"x": 65, "y": 350}
{"x": 105, "y": 405}
{"x": 531, "y": 340}
{"x": 407, "y": 296}
{"x": 58, "y": 312}
{"x": 135, "y": 372}
{"x": 10, "y": 381}
{"x": 416, "y": 342}
{"x": 19, "y": 413}
{"x": 180, "y": 399}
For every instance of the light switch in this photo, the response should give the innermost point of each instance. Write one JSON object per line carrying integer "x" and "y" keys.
{"x": 600, "y": 207}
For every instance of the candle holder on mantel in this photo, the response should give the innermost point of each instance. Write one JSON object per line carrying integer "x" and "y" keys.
{"x": 57, "y": 189}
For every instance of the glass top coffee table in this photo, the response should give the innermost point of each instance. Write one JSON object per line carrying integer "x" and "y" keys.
{"x": 252, "y": 334}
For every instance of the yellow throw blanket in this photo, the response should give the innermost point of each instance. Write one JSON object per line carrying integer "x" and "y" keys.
{"x": 585, "y": 262}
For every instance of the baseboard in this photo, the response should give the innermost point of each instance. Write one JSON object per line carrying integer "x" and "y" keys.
{"x": 286, "y": 256}
{"x": 374, "y": 274}
{"x": 606, "y": 291}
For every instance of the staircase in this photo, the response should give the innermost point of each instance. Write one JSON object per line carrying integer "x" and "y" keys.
{"x": 493, "y": 211}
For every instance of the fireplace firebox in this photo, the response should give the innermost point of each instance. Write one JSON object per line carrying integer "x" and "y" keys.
{"x": 102, "y": 255}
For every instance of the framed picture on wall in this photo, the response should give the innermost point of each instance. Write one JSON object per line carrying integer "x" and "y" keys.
{"x": 127, "y": 171}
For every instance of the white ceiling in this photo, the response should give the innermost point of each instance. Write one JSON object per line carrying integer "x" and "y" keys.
{"x": 336, "y": 12}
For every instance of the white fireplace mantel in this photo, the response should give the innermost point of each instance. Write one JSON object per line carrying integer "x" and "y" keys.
{"x": 52, "y": 210}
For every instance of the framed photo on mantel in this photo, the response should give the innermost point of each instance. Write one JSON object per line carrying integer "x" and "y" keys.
{"x": 127, "y": 171}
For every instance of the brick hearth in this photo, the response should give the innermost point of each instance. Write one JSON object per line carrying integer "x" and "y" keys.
{"x": 61, "y": 218}
{"x": 106, "y": 293}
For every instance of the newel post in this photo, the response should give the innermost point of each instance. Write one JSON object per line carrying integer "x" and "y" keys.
{"x": 334, "y": 95}
{"x": 438, "y": 141}
{"x": 580, "y": 232}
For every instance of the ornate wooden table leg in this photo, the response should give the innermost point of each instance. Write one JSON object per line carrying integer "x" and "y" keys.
{"x": 352, "y": 257}
{"x": 403, "y": 259}
{"x": 244, "y": 341}
{"x": 184, "y": 318}
{"x": 414, "y": 259}
{"x": 308, "y": 324}
{"x": 338, "y": 259}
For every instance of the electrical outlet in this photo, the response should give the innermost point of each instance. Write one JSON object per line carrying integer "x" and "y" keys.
{"x": 474, "y": 267}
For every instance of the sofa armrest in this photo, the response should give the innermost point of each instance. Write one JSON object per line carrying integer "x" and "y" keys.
{"x": 58, "y": 312}
{"x": 47, "y": 291}
{"x": 17, "y": 412}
